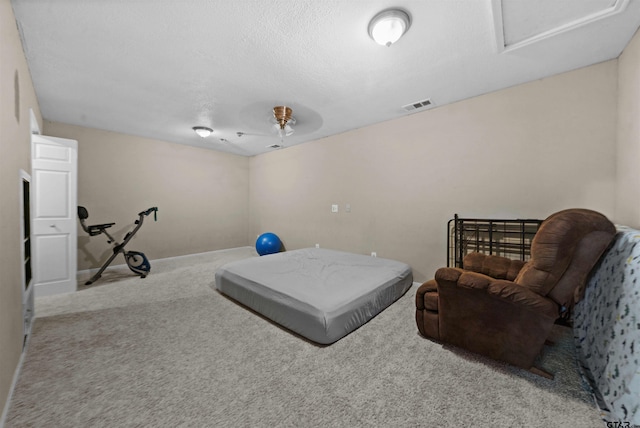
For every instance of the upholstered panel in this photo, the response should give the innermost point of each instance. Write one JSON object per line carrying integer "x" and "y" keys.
{"x": 568, "y": 242}
{"x": 570, "y": 287}
{"x": 428, "y": 323}
{"x": 490, "y": 325}
{"x": 427, "y": 296}
{"x": 427, "y": 309}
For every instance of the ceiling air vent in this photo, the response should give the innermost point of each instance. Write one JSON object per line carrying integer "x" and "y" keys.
{"x": 418, "y": 105}
{"x": 274, "y": 146}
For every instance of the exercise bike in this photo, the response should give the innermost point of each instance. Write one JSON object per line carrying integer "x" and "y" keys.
{"x": 137, "y": 261}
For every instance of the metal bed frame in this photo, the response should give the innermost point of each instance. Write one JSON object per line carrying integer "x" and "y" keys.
{"x": 509, "y": 238}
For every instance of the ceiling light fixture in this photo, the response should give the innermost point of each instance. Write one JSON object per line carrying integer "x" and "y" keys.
{"x": 202, "y": 131}
{"x": 388, "y": 26}
{"x": 284, "y": 121}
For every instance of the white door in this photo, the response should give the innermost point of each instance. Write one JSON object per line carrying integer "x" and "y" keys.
{"x": 54, "y": 186}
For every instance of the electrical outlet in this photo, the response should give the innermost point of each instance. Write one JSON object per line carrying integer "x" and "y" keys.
{"x": 334, "y": 208}
{"x": 374, "y": 254}
{"x": 347, "y": 208}
{"x": 317, "y": 245}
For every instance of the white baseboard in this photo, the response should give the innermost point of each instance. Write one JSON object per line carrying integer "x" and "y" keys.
{"x": 204, "y": 252}
{"x": 88, "y": 273}
{"x": 41, "y": 290}
{"x": 16, "y": 375}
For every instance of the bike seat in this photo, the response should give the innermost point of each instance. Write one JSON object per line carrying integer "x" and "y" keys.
{"x": 97, "y": 229}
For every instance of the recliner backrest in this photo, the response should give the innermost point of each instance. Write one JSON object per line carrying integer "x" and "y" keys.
{"x": 565, "y": 249}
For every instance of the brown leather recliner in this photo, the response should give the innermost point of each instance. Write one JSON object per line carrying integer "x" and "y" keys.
{"x": 505, "y": 309}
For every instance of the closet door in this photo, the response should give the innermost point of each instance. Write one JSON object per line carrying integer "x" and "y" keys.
{"x": 54, "y": 205}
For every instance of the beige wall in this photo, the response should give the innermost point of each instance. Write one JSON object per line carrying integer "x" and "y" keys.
{"x": 202, "y": 195}
{"x": 524, "y": 152}
{"x": 14, "y": 155}
{"x": 628, "y": 170}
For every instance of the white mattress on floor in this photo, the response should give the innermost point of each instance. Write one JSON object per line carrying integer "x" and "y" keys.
{"x": 318, "y": 293}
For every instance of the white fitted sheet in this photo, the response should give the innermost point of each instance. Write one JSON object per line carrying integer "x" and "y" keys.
{"x": 318, "y": 293}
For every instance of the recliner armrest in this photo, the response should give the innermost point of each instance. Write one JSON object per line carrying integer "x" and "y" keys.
{"x": 448, "y": 274}
{"x": 462, "y": 278}
{"x": 508, "y": 291}
{"x": 475, "y": 280}
{"x": 512, "y": 292}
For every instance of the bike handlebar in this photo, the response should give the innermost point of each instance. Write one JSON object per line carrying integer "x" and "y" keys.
{"x": 153, "y": 210}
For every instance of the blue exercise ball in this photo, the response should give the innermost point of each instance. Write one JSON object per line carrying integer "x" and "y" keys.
{"x": 268, "y": 243}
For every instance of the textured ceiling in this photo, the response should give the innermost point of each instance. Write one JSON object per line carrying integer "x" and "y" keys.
{"x": 156, "y": 68}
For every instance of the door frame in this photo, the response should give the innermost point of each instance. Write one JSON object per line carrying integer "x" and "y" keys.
{"x": 28, "y": 309}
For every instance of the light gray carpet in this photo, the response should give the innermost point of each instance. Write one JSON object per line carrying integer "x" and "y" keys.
{"x": 168, "y": 350}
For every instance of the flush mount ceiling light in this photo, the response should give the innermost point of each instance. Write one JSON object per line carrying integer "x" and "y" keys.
{"x": 284, "y": 121}
{"x": 388, "y": 26}
{"x": 202, "y": 131}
